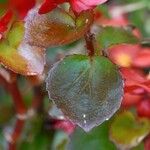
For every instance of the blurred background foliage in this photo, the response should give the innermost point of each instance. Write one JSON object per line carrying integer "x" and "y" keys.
{"x": 43, "y": 132}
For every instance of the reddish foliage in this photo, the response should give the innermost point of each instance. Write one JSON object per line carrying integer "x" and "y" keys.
{"x": 142, "y": 59}
{"x": 4, "y": 21}
{"x": 49, "y": 5}
{"x": 21, "y": 6}
{"x": 147, "y": 143}
{"x": 116, "y": 22}
{"x": 77, "y": 5}
{"x": 143, "y": 108}
{"x": 131, "y": 100}
{"x": 60, "y": 124}
{"x": 134, "y": 57}
{"x": 136, "y": 85}
{"x": 64, "y": 125}
{"x": 135, "y": 81}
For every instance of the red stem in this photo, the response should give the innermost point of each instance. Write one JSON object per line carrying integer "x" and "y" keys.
{"x": 89, "y": 44}
{"x": 38, "y": 99}
{"x": 20, "y": 109}
{"x": 16, "y": 134}
{"x": 16, "y": 96}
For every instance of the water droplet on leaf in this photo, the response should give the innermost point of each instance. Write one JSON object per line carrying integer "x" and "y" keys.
{"x": 88, "y": 91}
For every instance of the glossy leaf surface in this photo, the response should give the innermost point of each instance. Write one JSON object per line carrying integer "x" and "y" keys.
{"x": 87, "y": 91}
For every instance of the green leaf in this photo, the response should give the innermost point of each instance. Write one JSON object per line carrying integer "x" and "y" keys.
{"x": 97, "y": 139}
{"x": 35, "y": 137}
{"x": 139, "y": 147}
{"x": 127, "y": 131}
{"x": 109, "y": 36}
{"x": 3, "y": 1}
{"x": 15, "y": 35}
{"x": 87, "y": 91}
{"x": 3, "y": 142}
{"x": 19, "y": 56}
{"x": 56, "y": 28}
{"x": 60, "y": 141}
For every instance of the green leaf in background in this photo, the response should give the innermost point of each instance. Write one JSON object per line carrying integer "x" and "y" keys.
{"x": 3, "y": 142}
{"x": 19, "y": 56}
{"x": 15, "y": 35}
{"x": 3, "y": 1}
{"x": 60, "y": 141}
{"x": 139, "y": 147}
{"x": 97, "y": 139}
{"x": 109, "y": 36}
{"x": 137, "y": 18}
{"x": 35, "y": 137}
{"x": 87, "y": 91}
{"x": 126, "y": 131}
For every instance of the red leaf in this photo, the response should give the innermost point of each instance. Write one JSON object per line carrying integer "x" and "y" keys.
{"x": 4, "y": 21}
{"x": 49, "y": 5}
{"x": 22, "y": 6}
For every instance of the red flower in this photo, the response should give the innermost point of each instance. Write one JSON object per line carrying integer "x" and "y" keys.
{"x": 64, "y": 125}
{"x": 137, "y": 86}
{"x": 131, "y": 100}
{"x": 143, "y": 108}
{"x": 142, "y": 59}
{"x": 135, "y": 81}
{"x": 130, "y": 55}
{"x": 81, "y": 5}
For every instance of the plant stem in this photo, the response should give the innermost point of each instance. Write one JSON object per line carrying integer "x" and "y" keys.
{"x": 17, "y": 99}
{"x": 89, "y": 44}
{"x": 13, "y": 89}
{"x": 38, "y": 99}
{"x": 16, "y": 134}
{"x": 16, "y": 95}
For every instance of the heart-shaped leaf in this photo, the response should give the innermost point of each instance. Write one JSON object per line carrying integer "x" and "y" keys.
{"x": 56, "y": 28}
{"x": 18, "y": 55}
{"x": 87, "y": 91}
{"x": 127, "y": 131}
{"x": 108, "y": 36}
